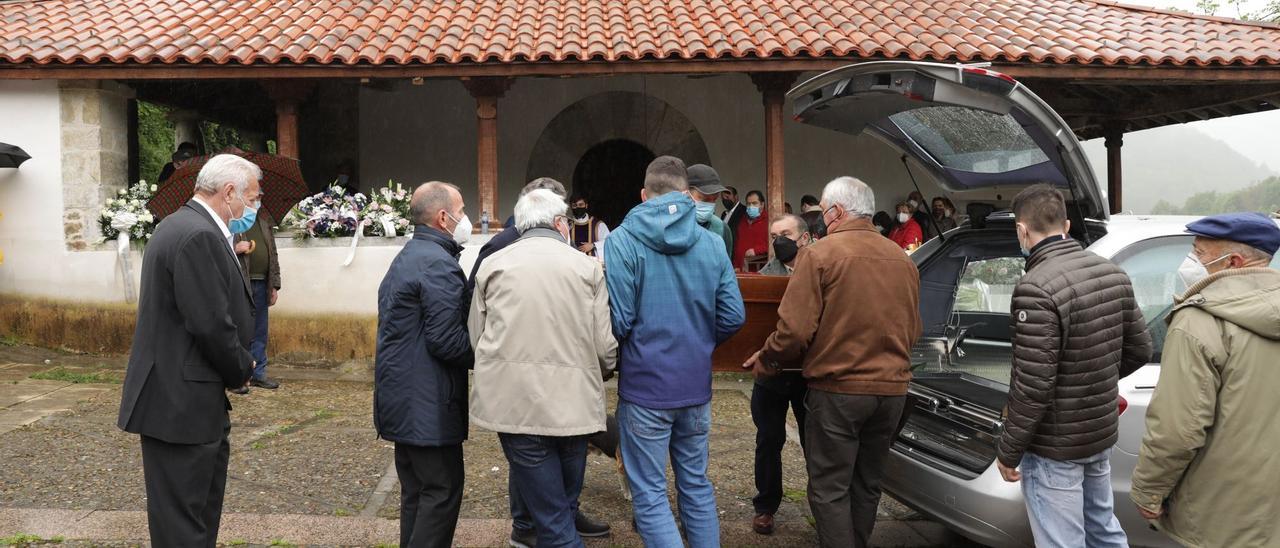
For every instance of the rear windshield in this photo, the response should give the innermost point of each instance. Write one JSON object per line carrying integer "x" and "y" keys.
{"x": 969, "y": 139}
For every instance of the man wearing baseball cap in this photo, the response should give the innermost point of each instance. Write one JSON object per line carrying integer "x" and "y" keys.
{"x": 1207, "y": 472}
{"x": 705, "y": 189}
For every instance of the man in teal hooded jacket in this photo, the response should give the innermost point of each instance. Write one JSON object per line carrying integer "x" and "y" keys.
{"x": 673, "y": 297}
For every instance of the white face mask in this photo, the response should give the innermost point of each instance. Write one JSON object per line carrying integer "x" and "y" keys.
{"x": 914, "y": 204}
{"x": 461, "y": 232}
{"x": 903, "y": 217}
{"x": 1191, "y": 271}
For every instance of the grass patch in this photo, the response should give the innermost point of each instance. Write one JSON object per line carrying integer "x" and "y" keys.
{"x": 342, "y": 512}
{"x": 256, "y": 445}
{"x": 21, "y": 539}
{"x": 65, "y": 375}
{"x": 107, "y": 328}
{"x": 283, "y": 543}
{"x": 323, "y": 414}
{"x": 794, "y": 495}
{"x": 811, "y": 521}
{"x": 237, "y": 542}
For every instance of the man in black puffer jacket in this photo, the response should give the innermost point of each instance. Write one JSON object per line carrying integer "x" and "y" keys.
{"x": 1077, "y": 332}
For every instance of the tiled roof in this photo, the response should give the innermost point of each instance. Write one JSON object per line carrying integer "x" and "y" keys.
{"x": 402, "y": 32}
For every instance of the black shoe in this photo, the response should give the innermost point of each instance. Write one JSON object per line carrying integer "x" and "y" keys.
{"x": 523, "y": 538}
{"x": 265, "y": 383}
{"x": 242, "y": 390}
{"x": 590, "y": 528}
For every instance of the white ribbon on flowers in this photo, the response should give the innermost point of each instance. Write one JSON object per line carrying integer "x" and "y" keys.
{"x": 355, "y": 239}
{"x": 123, "y": 223}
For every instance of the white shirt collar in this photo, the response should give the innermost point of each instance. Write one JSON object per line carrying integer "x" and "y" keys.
{"x": 226, "y": 232}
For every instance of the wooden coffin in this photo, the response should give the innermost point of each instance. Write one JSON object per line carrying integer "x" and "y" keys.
{"x": 761, "y": 295}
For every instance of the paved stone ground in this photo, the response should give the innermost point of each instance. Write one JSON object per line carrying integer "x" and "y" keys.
{"x": 307, "y": 468}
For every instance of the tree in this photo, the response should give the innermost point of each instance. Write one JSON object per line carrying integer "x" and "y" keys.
{"x": 155, "y": 140}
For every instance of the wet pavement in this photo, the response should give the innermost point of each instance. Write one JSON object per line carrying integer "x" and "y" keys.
{"x": 307, "y": 468}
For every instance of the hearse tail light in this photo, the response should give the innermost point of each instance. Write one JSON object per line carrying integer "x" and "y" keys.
{"x": 1122, "y": 404}
{"x": 988, "y": 80}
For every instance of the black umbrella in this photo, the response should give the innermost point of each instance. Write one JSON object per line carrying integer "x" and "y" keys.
{"x": 12, "y": 156}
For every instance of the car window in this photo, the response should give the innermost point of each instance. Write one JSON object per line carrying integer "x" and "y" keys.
{"x": 987, "y": 286}
{"x": 969, "y": 139}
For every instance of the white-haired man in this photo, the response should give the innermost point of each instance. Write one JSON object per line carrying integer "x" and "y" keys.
{"x": 194, "y": 328}
{"x": 857, "y": 364}
{"x": 540, "y": 327}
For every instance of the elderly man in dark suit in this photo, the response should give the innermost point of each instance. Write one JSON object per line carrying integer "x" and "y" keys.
{"x": 420, "y": 375}
{"x": 194, "y": 327}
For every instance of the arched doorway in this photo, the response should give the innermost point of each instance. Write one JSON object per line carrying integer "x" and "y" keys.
{"x": 610, "y": 176}
{"x": 600, "y": 145}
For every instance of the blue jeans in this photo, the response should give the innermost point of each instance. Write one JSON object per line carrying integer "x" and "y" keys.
{"x": 1070, "y": 503}
{"x": 548, "y": 471}
{"x": 258, "y": 349}
{"x": 647, "y": 438}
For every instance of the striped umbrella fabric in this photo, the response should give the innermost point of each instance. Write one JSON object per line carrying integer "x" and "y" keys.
{"x": 282, "y": 184}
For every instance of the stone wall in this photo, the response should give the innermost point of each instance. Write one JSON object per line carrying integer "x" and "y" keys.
{"x": 95, "y": 154}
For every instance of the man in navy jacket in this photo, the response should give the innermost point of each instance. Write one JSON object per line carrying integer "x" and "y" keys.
{"x": 420, "y": 391}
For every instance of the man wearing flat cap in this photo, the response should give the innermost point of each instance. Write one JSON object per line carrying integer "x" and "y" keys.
{"x": 1208, "y": 470}
{"x": 705, "y": 189}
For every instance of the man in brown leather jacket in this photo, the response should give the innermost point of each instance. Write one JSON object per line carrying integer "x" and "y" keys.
{"x": 856, "y": 363}
{"x": 1077, "y": 332}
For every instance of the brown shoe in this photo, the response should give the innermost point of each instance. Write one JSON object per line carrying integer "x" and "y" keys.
{"x": 763, "y": 524}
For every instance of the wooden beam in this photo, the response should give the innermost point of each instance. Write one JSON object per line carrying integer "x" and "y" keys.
{"x": 287, "y": 96}
{"x": 773, "y": 88}
{"x": 1114, "y": 133}
{"x": 1134, "y": 73}
{"x": 486, "y": 92}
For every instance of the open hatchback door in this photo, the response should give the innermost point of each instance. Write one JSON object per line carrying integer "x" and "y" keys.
{"x": 975, "y": 129}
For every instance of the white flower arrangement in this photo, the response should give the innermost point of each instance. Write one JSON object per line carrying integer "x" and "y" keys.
{"x": 332, "y": 213}
{"x": 128, "y": 213}
{"x": 388, "y": 208}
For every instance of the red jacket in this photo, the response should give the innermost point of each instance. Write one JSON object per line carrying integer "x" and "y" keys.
{"x": 906, "y": 234}
{"x": 750, "y": 235}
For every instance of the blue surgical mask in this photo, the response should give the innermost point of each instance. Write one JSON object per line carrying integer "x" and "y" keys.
{"x": 753, "y": 211}
{"x": 245, "y": 221}
{"x": 705, "y": 211}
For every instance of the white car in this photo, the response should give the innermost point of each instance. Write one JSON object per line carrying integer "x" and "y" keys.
{"x": 983, "y": 136}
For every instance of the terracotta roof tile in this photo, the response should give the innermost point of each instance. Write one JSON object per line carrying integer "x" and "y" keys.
{"x": 498, "y": 31}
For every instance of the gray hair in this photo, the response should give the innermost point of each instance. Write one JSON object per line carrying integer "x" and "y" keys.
{"x": 1250, "y": 253}
{"x": 226, "y": 168}
{"x": 539, "y": 208}
{"x": 544, "y": 182}
{"x": 851, "y": 194}
{"x": 428, "y": 199}
{"x": 665, "y": 174}
{"x": 800, "y": 224}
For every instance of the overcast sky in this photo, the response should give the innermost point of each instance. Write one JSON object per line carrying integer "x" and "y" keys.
{"x": 1254, "y": 135}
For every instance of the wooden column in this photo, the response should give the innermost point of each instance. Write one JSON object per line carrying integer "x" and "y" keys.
{"x": 773, "y": 87}
{"x": 1113, "y": 133}
{"x": 287, "y": 94}
{"x": 487, "y": 91}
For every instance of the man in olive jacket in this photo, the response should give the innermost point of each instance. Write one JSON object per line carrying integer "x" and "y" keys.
{"x": 260, "y": 264}
{"x": 1208, "y": 468}
{"x": 1077, "y": 332}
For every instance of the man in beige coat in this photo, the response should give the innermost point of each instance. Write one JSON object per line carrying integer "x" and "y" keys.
{"x": 540, "y": 327}
{"x": 1209, "y": 467}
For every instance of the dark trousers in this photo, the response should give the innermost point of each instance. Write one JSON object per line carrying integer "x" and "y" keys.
{"x": 547, "y": 472}
{"x": 430, "y": 494}
{"x": 769, "y": 403}
{"x": 185, "y": 486}
{"x": 261, "y": 311}
{"x": 848, "y": 440}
